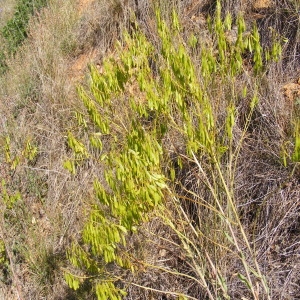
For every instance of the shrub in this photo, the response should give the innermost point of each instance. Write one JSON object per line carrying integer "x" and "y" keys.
{"x": 15, "y": 30}
{"x": 148, "y": 126}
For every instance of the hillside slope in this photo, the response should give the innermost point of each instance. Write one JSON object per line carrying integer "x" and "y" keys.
{"x": 145, "y": 156}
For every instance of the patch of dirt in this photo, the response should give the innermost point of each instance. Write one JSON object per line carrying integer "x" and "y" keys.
{"x": 79, "y": 67}
{"x": 262, "y": 4}
{"x": 83, "y": 4}
{"x": 291, "y": 91}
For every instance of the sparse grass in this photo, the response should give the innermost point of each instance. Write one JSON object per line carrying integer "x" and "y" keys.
{"x": 194, "y": 241}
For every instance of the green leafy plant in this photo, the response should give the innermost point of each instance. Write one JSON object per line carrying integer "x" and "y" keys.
{"x": 8, "y": 201}
{"x": 29, "y": 153}
{"x": 136, "y": 111}
{"x": 296, "y": 153}
{"x": 3, "y": 258}
{"x": 15, "y": 30}
{"x": 3, "y": 65}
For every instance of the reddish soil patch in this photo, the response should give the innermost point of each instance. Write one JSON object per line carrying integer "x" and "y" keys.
{"x": 79, "y": 66}
{"x": 291, "y": 91}
{"x": 262, "y": 4}
{"x": 83, "y": 4}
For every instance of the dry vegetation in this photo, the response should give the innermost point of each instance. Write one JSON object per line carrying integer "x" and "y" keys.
{"x": 43, "y": 207}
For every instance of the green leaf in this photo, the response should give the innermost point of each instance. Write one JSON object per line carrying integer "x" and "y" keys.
{"x": 72, "y": 281}
{"x": 70, "y": 166}
{"x": 244, "y": 280}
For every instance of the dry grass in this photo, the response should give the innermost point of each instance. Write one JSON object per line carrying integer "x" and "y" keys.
{"x": 6, "y": 10}
{"x": 37, "y": 100}
{"x": 37, "y": 80}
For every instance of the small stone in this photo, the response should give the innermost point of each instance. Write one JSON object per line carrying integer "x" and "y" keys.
{"x": 162, "y": 253}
